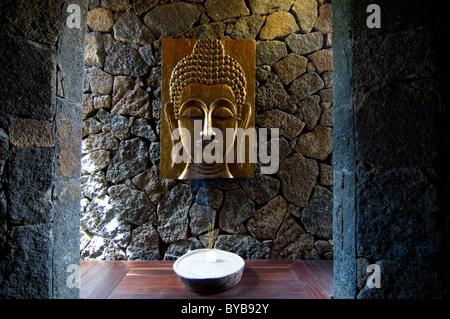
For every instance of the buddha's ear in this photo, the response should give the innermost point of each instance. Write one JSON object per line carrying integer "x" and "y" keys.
{"x": 246, "y": 112}
{"x": 170, "y": 116}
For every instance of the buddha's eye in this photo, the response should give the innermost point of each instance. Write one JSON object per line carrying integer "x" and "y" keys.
{"x": 223, "y": 113}
{"x": 193, "y": 112}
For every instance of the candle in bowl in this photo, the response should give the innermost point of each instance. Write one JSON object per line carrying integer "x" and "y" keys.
{"x": 211, "y": 256}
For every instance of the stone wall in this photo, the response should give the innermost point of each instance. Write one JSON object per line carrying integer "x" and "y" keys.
{"x": 128, "y": 212}
{"x": 40, "y": 138}
{"x": 391, "y": 150}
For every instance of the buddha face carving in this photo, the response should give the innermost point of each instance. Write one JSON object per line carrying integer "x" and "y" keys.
{"x": 208, "y": 91}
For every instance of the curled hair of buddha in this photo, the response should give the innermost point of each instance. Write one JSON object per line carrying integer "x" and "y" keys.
{"x": 208, "y": 64}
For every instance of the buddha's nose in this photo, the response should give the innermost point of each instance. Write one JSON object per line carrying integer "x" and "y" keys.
{"x": 207, "y": 132}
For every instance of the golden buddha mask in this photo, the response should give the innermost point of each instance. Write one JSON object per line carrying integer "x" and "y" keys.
{"x": 205, "y": 102}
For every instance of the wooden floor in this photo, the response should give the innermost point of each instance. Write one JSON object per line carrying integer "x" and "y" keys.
{"x": 262, "y": 279}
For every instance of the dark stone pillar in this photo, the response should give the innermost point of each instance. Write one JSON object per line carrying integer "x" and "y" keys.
{"x": 389, "y": 142}
{"x": 40, "y": 137}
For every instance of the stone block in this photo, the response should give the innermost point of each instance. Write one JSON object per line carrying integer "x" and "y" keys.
{"x": 278, "y": 25}
{"x": 401, "y": 217}
{"x": 224, "y": 9}
{"x": 248, "y": 27}
{"x": 298, "y": 176}
{"x": 100, "y": 20}
{"x": 182, "y": 17}
{"x": 289, "y": 126}
{"x": 31, "y": 174}
{"x": 173, "y": 211}
{"x": 243, "y": 245}
{"x": 130, "y": 160}
{"x": 305, "y": 12}
{"x": 235, "y": 210}
{"x": 27, "y": 67}
{"x": 270, "y": 52}
{"x": 27, "y": 269}
{"x": 28, "y": 132}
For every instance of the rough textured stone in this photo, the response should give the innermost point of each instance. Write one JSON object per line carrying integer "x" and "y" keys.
{"x": 311, "y": 111}
{"x": 99, "y": 81}
{"x": 129, "y": 29}
{"x": 181, "y": 16}
{"x": 327, "y": 79}
{"x": 173, "y": 211}
{"x": 153, "y": 186}
{"x": 116, "y": 5}
{"x": 305, "y": 12}
{"x": 115, "y": 123}
{"x": 401, "y": 222}
{"x": 215, "y": 30}
{"x": 298, "y": 176}
{"x": 317, "y": 144}
{"x": 100, "y": 20}
{"x": 289, "y": 125}
{"x": 290, "y": 67}
{"x": 94, "y": 53}
{"x": 404, "y": 281}
{"x": 292, "y": 242}
{"x": 147, "y": 55}
{"x": 248, "y": 27}
{"x": 179, "y": 248}
{"x": 269, "y": 6}
{"x": 30, "y": 184}
{"x": 102, "y": 102}
{"x": 130, "y": 160}
{"x": 200, "y": 218}
{"x": 134, "y": 205}
{"x": 261, "y": 188}
{"x": 327, "y": 117}
{"x": 25, "y": 281}
{"x": 130, "y": 99}
{"x": 142, "y": 128}
{"x": 236, "y": 208}
{"x": 95, "y": 161}
{"x": 278, "y": 25}
{"x": 154, "y": 153}
{"x": 142, "y": 6}
{"x": 88, "y": 106}
{"x": 266, "y": 221}
{"x": 123, "y": 60}
{"x": 210, "y": 197}
{"x": 68, "y": 144}
{"x": 224, "y": 9}
{"x": 326, "y": 175}
{"x": 102, "y": 141}
{"x": 323, "y": 22}
{"x": 326, "y": 96}
{"x": 32, "y": 19}
{"x": 388, "y": 139}
{"x": 273, "y": 95}
{"x": 306, "y": 85}
{"x": 303, "y": 44}
{"x": 144, "y": 244}
{"x": 102, "y": 219}
{"x": 270, "y": 52}
{"x": 243, "y": 245}
{"x": 27, "y": 67}
{"x": 323, "y": 60}
{"x": 94, "y": 185}
{"x": 324, "y": 249}
{"x": 27, "y": 132}
{"x": 317, "y": 217}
